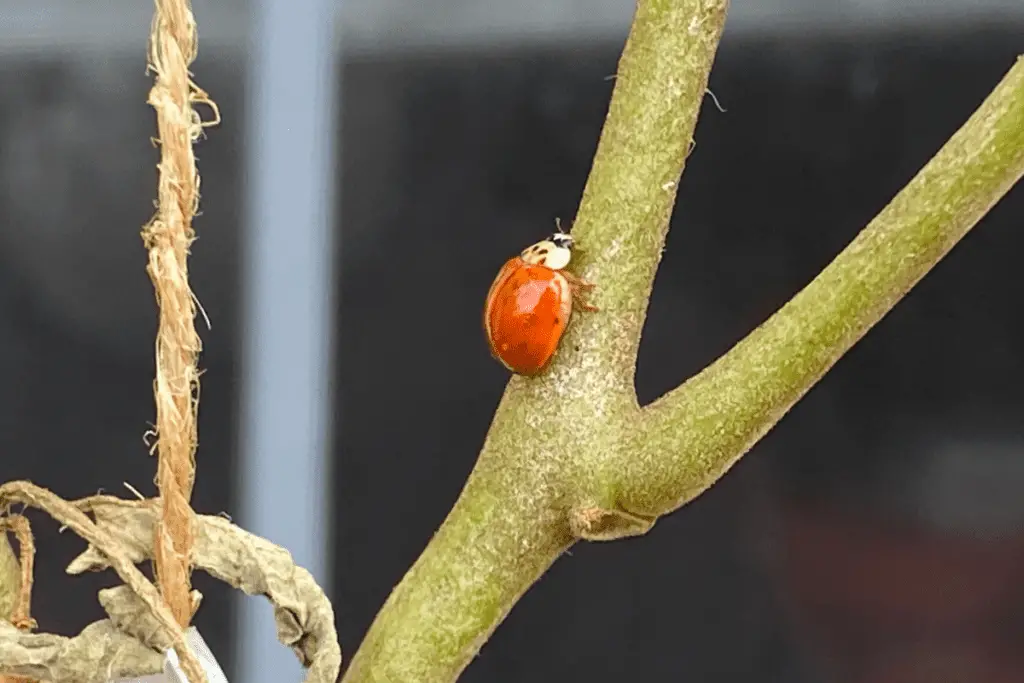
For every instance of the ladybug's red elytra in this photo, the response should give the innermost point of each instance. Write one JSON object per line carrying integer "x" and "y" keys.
{"x": 530, "y": 303}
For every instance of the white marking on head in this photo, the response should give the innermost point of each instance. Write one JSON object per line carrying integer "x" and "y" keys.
{"x": 554, "y": 253}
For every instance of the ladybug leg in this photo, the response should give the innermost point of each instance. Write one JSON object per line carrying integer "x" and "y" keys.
{"x": 580, "y": 287}
{"x": 576, "y": 281}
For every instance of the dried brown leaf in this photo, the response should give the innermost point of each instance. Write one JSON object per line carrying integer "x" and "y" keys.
{"x": 303, "y": 614}
{"x": 132, "y": 616}
{"x": 106, "y": 541}
{"x": 120, "y": 535}
{"x": 97, "y": 655}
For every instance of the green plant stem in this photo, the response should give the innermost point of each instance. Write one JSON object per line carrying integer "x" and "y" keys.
{"x": 537, "y": 485}
{"x": 624, "y": 214}
{"x": 570, "y": 454}
{"x": 692, "y": 435}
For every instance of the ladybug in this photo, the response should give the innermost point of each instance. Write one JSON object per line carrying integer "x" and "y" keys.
{"x": 529, "y": 305}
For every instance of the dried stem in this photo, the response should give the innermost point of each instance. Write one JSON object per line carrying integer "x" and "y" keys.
{"x": 21, "y": 615}
{"x": 16, "y": 581}
{"x": 168, "y": 236}
{"x": 10, "y": 578}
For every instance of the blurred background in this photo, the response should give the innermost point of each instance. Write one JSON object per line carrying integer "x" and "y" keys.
{"x": 877, "y": 535}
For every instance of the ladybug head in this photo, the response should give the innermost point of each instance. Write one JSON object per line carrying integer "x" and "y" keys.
{"x": 555, "y": 252}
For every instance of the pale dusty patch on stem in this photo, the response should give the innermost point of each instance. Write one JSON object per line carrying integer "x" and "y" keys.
{"x": 168, "y": 236}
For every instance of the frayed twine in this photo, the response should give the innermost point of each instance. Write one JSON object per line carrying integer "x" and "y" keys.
{"x": 168, "y": 238}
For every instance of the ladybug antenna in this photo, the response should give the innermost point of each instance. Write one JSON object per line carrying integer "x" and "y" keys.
{"x": 561, "y": 238}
